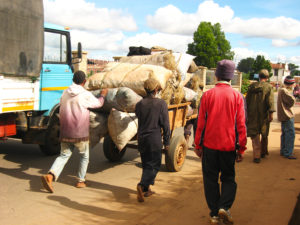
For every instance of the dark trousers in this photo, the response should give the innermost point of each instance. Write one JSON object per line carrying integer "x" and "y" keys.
{"x": 213, "y": 163}
{"x": 151, "y": 161}
{"x": 188, "y": 127}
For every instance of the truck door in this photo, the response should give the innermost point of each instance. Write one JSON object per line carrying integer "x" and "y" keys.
{"x": 56, "y": 74}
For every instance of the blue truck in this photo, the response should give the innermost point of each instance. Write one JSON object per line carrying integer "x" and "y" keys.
{"x": 36, "y": 66}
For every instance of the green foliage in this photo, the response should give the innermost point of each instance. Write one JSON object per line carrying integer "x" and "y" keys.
{"x": 90, "y": 73}
{"x": 245, "y": 65}
{"x": 293, "y": 68}
{"x": 245, "y": 82}
{"x": 210, "y": 45}
{"x": 260, "y": 63}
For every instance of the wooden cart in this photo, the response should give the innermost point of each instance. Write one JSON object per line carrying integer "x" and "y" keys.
{"x": 175, "y": 157}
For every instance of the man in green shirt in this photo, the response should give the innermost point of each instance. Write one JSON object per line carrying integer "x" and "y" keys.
{"x": 260, "y": 108}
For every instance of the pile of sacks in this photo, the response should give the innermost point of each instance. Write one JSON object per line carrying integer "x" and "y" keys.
{"x": 125, "y": 79}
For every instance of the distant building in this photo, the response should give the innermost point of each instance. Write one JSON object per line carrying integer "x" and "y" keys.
{"x": 95, "y": 66}
{"x": 279, "y": 71}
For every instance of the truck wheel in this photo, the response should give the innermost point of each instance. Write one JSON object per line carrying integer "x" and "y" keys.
{"x": 111, "y": 151}
{"x": 52, "y": 143}
{"x": 176, "y": 154}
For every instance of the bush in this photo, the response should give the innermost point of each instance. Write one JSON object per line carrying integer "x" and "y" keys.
{"x": 245, "y": 82}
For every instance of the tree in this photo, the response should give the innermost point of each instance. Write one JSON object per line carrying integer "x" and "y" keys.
{"x": 245, "y": 65}
{"x": 210, "y": 45}
{"x": 293, "y": 68}
{"x": 260, "y": 63}
{"x": 245, "y": 82}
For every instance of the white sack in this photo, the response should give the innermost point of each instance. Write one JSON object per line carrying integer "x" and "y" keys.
{"x": 183, "y": 62}
{"x": 122, "y": 127}
{"x": 189, "y": 94}
{"x": 128, "y": 75}
{"x": 98, "y": 127}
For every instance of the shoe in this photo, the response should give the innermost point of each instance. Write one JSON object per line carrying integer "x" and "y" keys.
{"x": 81, "y": 184}
{"x": 225, "y": 216}
{"x": 214, "y": 220}
{"x": 263, "y": 156}
{"x": 47, "y": 182}
{"x": 149, "y": 193}
{"x": 140, "y": 193}
{"x": 256, "y": 160}
{"x": 291, "y": 157}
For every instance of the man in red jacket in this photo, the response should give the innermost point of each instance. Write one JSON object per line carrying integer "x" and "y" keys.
{"x": 221, "y": 121}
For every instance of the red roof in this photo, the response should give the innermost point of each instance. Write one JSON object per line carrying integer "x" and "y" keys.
{"x": 277, "y": 66}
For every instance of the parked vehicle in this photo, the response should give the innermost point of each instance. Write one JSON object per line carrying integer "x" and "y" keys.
{"x": 35, "y": 68}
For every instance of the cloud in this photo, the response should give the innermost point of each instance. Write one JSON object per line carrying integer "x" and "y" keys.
{"x": 79, "y": 14}
{"x": 97, "y": 41}
{"x": 271, "y": 28}
{"x": 174, "y": 42}
{"x": 295, "y": 60}
{"x": 280, "y": 58}
{"x": 243, "y": 53}
{"x": 172, "y": 20}
{"x": 283, "y": 43}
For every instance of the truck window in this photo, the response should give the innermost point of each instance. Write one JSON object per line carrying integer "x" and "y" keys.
{"x": 55, "y": 50}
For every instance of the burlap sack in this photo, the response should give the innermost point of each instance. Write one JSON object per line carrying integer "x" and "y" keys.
{"x": 193, "y": 67}
{"x": 128, "y": 75}
{"x": 127, "y": 99}
{"x": 122, "y": 127}
{"x": 165, "y": 59}
{"x": 123, "y": 99}
{"x": 188, "y": 77}
{"x": 98, "y": 127}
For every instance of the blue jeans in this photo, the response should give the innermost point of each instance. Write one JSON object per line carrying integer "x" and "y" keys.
{"x": 287, "y": 137}
{"x": 65, "y": 154}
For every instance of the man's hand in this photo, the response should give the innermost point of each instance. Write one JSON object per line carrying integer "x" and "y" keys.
{"x": 199, "y": 152}
{"x": 239, "y": 157}
{"x": 103, "y": 92}
{"x": 167, "y": 147}
{"x": 270, "y": 117}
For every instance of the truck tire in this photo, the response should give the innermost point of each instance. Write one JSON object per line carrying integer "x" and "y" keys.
{"x": 52, "y": 143}
{"x": 111, "y": 151}
{"x": 176, "y": 154}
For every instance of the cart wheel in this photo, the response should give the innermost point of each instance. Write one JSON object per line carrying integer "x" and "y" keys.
{"x": 111, "y": 151}
{"x": 176, "y": 154}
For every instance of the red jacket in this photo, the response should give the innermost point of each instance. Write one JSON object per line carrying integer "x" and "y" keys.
{"x": 224, "y": 108}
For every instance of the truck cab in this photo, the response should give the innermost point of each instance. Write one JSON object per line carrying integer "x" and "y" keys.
{"x": 29, "y": 101}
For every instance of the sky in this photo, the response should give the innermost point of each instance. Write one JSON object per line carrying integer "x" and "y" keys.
{"x": 107, "y": 28}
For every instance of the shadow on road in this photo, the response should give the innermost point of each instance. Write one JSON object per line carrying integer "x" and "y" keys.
{"x": 97, "y": 211}
{"x": 28, "y": 157}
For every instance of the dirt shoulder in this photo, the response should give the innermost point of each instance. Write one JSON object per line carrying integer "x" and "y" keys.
{"x": 267, "y": 192}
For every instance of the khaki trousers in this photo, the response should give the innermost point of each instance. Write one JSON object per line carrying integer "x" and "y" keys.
{"x": 260, "y": 146}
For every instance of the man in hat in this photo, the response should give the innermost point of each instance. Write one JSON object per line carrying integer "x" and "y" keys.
{"x": 260, "y": 108}
{"x": 221, "y": 116}
{"x": 152, "y": 114}
{"x": 74, "y": 129}
{"x": 285, "y": 115}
